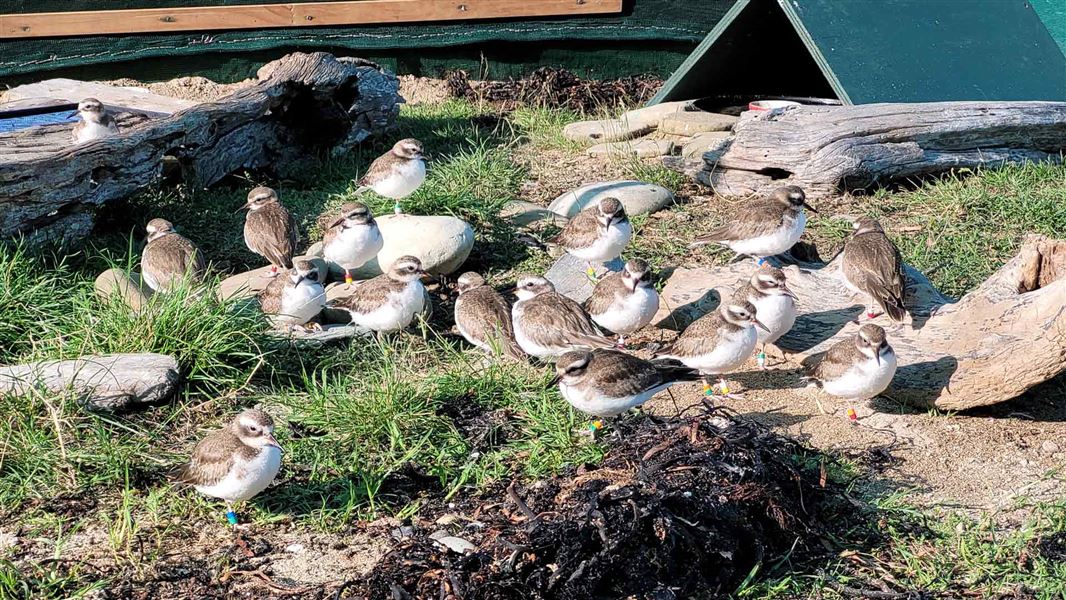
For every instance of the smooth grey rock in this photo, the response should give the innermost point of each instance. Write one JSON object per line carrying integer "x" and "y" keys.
{"x": 525, "y": 214}
{"x": 652, "y": 115}
{"x": 127, "y": 286}
{"x": 691, "y": 123}
{"x": 608, "y": 130}
{"x": 569, "y": 276}
{"x": 637, "y": 148}
{"x": 708, "y": 141}
{"x": 442, "y": 243}
{"x": 106, "y": 382}
{"x": 638, "y": 197}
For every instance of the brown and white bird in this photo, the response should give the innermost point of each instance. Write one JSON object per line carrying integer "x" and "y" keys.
{"x": 872, "y": 266}
{"x": 96, "y": 122}
{"x": 774, "y": 303}
{"x": 765, "y": 227}
{"x": 397, "y": 173}
{"x": 597, "y": 234}
{"x": 388, "y": 302}
{"x": 269, "y": 229}
{"x": 717, "y": 342}
{"x": 234, "y": 463}
{"x": 296, "y": 299}
{"x": 547, "y": 324}
{"x": 484, "y": 317}
{"x": 352, "y": 239}
{"x": 169, "y": 258}
{"x": 626, "y": 301}
{"x": 605, "y": 383}
{"x": 857, "y": 368}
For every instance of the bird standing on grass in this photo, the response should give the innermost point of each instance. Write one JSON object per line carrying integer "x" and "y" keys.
{"x": 597, "y": 234}
{"x": 858, "y": 368}
{"x": 352, "y": 239}
{"x": 96, "y": 122}
{"x": 605, "y": 382}
{"x": 169, "y": 258}
{"x": 235, "y": 463}
{"x": 484, "y": 317}
{"x": 397, "y": 173}
{"x": 548, "y": 324}
{"x": 775, "y": 304}
{"x": 269, "y": 229}
{"x": 624, "y": 302}
{"x": 390, "y": 301}
{"x": 765, "y": 227}
{"x": 296, "y": 299}
{"x": 873, "y": 267}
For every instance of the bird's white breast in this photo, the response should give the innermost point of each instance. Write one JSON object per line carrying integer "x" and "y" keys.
{"x": 608, "y": 245}
{"x": 397, "y": 311}
{"x": 778, "y": 313}
{"x": 403, "y": 181}
{"x": 772, "y": 244}
{"x": 590, "y": 402}
{"x": 91, "y": 130}
{"x": 354, "y": 246}
{"x": 630, "y": 313}
{"x": 246, "y": 478}
{"x": 865, "y": 379}
{"x": 731, "y": 351}
{"x": 302, "y": 303}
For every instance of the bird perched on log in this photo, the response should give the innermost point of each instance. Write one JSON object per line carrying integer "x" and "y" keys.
{"x": 269, "y": 229}
{"x": 626, "y": 301}
{"x": 96, "y": 122}
{"x": 297, "y": 299}
{"x": 872, "y": 266}
{"x": 397, "y": 173}
{"x": 390, "y": 301}
{"x": 605, "y": 382}
{"x": 352, "y": 238}
{"x": 717, "y": 342}
{"x": 765, "y": 227}
{"x": 484, "y": 317}
{"x": 235, "y": 463}
{"x": 169, "y": 258}
{"x": 857, "y": 368}
{"x": 775, "y": 304}
{"x": 597, "y": 234}
{"x": 547, "y": 324}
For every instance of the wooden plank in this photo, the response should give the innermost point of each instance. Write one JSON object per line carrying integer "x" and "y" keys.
{"x": 309, "y": 14}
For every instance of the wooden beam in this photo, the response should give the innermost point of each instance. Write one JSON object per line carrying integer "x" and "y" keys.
{"x": 303, "y": 14}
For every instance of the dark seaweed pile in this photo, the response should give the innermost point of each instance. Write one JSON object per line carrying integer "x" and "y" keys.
{"x": 550, "y": 87}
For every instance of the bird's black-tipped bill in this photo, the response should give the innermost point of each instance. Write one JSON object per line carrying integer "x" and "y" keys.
{"x": 809, "y": 207}
{"x": 789, "y": 293}
{"x": 244, "y": 206}
{"x": 760, "y": 325}
{"x": 555, "y": 380}
{"x": 272, "y": 441}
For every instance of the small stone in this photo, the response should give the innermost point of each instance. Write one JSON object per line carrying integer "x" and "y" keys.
{"x": 295, "y": 548}
{"x": 525, "y": 214}
{"x": 1049, "y": 447}
{"x": 128, "y": 286}
{"x": 8, "y": 541}
{"x": 638, "y": 197}
{"x": 691, "y": 123}
{"x": 609, "y": 130}
{"x": 637, "y": 148}
{"x": 455, "y": 544}
{"x": 447, "y": 519}
{"x": 442, "y": 243}
{"x": 570, "y": 279}
{"x": 651, "y": 115}
{"x": 708, "y": 141}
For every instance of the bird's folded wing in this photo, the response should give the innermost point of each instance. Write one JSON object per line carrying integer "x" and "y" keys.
{"x": 581, "y": 232}
{"x": 606, "y": 291}
{"x": 211, "y": 461}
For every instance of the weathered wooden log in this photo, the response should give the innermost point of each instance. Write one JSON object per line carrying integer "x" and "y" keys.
{"x": 993, "y": 344}
{"x": 302, "y": 105}
{"x": 831, "y": 149}
{"x": 108, "y": 382}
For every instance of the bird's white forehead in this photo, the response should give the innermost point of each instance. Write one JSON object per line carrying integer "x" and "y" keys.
{"x": 249, "y": 422}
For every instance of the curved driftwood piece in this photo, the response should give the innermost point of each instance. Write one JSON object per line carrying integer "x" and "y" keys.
{"x": 993, "y": 344}
{"x": 832, "y": 149}
{"x": 109, "y": 381}
{"x": 302, "y": 106}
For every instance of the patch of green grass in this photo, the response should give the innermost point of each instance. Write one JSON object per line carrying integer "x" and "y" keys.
{"x": 33, "y": 295}
{"x": 544, "y": 127}
{"x": 44, "y": 581}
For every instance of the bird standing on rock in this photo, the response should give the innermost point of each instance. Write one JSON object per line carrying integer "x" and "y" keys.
{"x": 169, "y": 258}
{"x": 547, "y": 323}
{"x": 397, "y": 173}
{"x": 235, "y": 463}
{"x": 96, "y": 122}
{"x": 597, "y": 234}
{"x": 605, "y": 382}
{"x": 626, "y": 301}
{"x": 390, "y": 301}
{"x": 352, "y": 239}
{"x": 857, "y": 368}
{"x": 269, "y": 229}
{"x": 873, "y": 267}
{"x": 297, "y": 299}
{"x": 775, "y": 304}
{"x": 765, "y": 227}
{"x": 484, "y": 317}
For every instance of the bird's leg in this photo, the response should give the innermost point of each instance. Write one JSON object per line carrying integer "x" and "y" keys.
{"x": 231, "y": 515}
{"x": 273, "y": 271}
{"x": 348, "y": 277}
{"x": 590, "y": 272}
{"x": 396, "y": 209}
{"x": 593, "y": 428}
{"x": 723, "y": 388}
{"x": 821, "y": 408}
{"x": 853, "y": 417}
{"x": 761, "y": 357}
{"x": 621, "y": 342}
{"x": 872, "y": 311}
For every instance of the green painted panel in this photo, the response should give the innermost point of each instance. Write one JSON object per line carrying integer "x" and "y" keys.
{"x": 1053, "y": 14}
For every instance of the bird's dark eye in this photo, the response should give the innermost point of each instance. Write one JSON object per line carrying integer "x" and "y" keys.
{"x": 253, "y": 429}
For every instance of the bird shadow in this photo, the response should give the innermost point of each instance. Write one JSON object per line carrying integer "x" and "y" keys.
{"x": 811, "y": 329}
{"x": 685, "y": 314}
{"x": 919, "y": 384}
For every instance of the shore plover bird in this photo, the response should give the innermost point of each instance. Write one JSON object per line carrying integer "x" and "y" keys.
{"x": 624, "y": 302}
{"x": 96, "y": 122}
{"x": 872, "y": 266}
{"x": 774, "y": 303}
{"x": 169, "y": 258}
{"x": 717, "y": 342}
{"x": 547, "y": 324}
{"x": 269, "y": 229}
{"x": 352, "y": 239}
{"x": 858, "y": 368}
{"x": 297, "y": 299}
{"x": 484, "y": 317}
{"x": 597, "y": 234}
{"x": 235, "y": 463}
{"x": 765, "y": 227}
{"x": 397, "y": 173}
{"x": 605, "y": 383}
{"x": 388, "y": 302}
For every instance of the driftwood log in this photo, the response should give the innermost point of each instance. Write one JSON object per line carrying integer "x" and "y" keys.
{"x": 302, "y": 106}
{"x": 993, "y": 344}
{"x": 108, "y": 382}
{"x": 827, "y": 150}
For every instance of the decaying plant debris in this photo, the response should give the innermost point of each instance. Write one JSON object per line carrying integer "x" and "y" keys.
{"x": 550, "y": 87}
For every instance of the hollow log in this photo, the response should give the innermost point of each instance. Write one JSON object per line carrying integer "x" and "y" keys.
{"x": 827, "y": 150}
{"x": 993, "y": 344}
{"x": 302, "y": 106}
{"x": 108, "y": 382}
